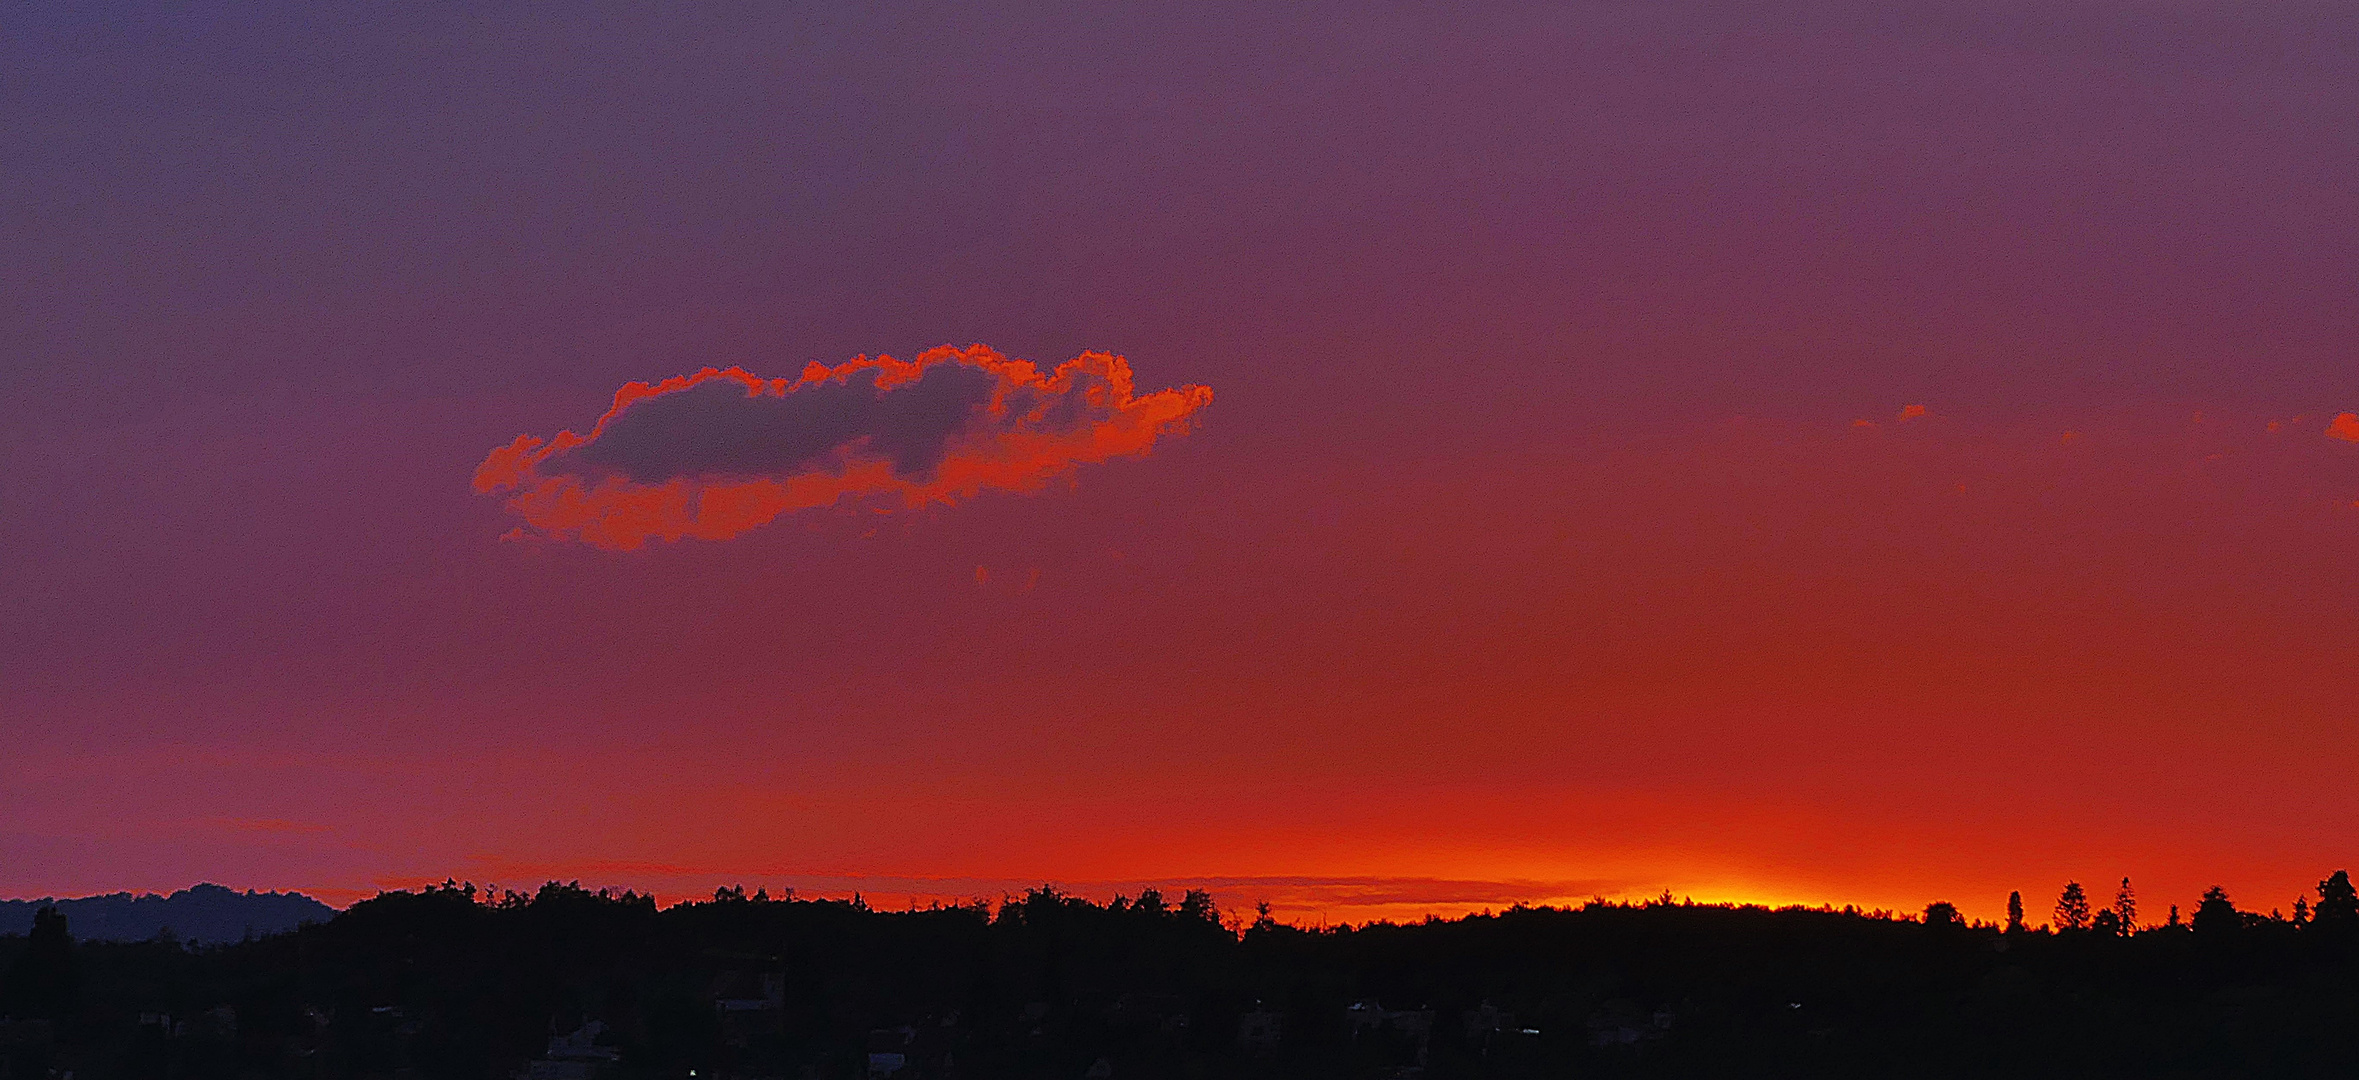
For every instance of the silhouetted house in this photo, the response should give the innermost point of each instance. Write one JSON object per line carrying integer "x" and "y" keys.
{"x": 25, "y": 1034}
{"x": 1367, "y": 1015}
{"x": 1486, "y": 1024}
{"x": 1621, "y": 1024}
{"x": 1162, "y": 1019}
{"x": 1486, "y": 1021}
{"x": 1258, "y": 1030}
{"x": 889, "y": 1050}
{"x": 1412, "y": 1022}
{"x": 574, "y": 1056}
{"x": 1369, "y": 1019}
{"x": 736, "y": 993}
{"x": 218, "y": 1023}
{"x": 395, "y": 1021}
{"x": 748, "y": 1006}
{"x": 307, "y": 1054}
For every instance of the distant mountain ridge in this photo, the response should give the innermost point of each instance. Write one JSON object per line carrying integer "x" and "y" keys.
{"x": 205, "y": 912}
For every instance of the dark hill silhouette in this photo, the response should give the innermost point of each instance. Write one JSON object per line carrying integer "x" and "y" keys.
{"x": 207, "y": 913}
{"x": 569, "y": 983}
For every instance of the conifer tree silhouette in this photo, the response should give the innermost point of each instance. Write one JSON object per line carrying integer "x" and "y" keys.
{"x": 2338, "y": 904}
{"x": 2216, "y": 915}
{"x": 2072, "y": 907}
{"x": 43, "y": 983}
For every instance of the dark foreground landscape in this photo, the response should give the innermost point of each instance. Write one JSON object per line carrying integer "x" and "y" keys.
{"x": 568, "y": 983}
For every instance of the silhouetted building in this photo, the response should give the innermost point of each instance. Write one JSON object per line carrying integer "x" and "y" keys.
{"x": 1486, "y": 1021}
{"x": 1622, "y": 1024}
{"x": 743, "y": 994}
{"x": 1412, "y": 1027}
{"x": 889, "y": 1050}
{"x": 573, "y": 1056}
{"x": 1259, "y": 1030}
{"x": 25, "y": 1033}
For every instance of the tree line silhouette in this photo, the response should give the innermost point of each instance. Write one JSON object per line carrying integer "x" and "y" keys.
{"x": 566, "y": 983}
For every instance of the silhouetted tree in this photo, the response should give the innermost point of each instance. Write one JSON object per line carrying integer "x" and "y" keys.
{"x": 2072, "y": 907}
{"x": 2015, "y": 912}
{"x": 43, "y": 982}
{"x": 2106, "y": 924}
{"x": 2216, "y": 915}
{"x": 1943, "y": 915}
{"x": 1197, "y": 904}
{"x": 2301, "y": 911}
{"x": 2338, "y": 904}
{"x": 2125, "y": 908}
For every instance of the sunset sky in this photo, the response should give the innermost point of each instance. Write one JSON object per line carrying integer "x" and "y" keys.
{"x": 1857, "y": 452}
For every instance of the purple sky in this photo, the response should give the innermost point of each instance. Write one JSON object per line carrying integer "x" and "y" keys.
{"x": 1467, "y": 282}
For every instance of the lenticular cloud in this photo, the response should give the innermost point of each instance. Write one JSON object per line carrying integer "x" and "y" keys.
{"x": 713, "y": 454}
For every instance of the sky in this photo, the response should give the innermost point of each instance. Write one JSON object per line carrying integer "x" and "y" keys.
{"x": 1387, "y": 459}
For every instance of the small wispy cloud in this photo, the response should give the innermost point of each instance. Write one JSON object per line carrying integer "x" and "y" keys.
{"x": 711, "y": 455}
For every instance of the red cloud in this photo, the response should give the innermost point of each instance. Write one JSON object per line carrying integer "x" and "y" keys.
{"x": 2344, "y": 426}
{"x": 1911, "y": 412}
{"x": 711, "y": 465}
